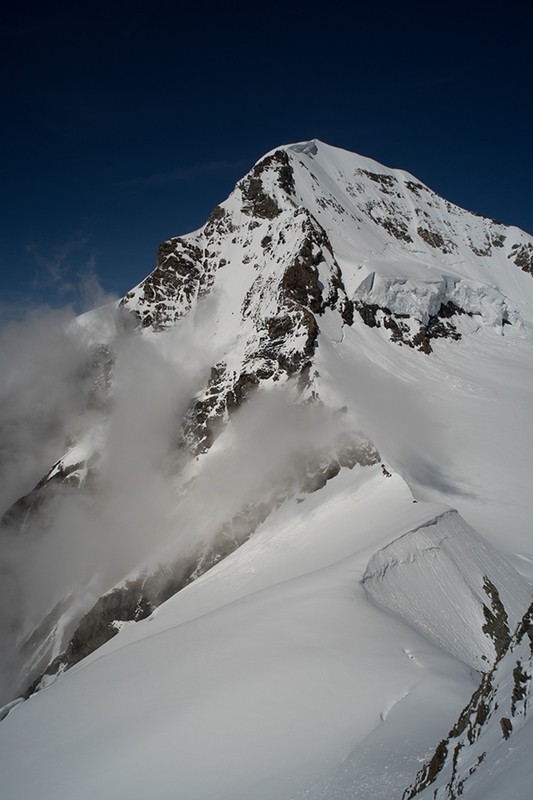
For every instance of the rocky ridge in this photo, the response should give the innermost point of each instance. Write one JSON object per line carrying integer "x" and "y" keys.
{"x": 485, "y": 728}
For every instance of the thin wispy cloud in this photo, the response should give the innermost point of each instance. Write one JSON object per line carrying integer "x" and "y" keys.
{"x": 68, "y": 270}
{"x": 55, "y": 266}
{"x": 186, "y": 173}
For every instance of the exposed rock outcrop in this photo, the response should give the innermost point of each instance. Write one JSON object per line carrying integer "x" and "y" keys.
{"x": 497, "y": 708}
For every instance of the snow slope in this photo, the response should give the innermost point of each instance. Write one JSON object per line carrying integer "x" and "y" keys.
{"x": 257, "y": 680}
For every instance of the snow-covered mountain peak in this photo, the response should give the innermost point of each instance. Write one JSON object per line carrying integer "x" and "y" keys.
{"x": 293, "y": 510}
{"x": 373, "y": 220}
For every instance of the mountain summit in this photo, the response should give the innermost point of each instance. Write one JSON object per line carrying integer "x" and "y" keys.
{"x": 286, "y": 551}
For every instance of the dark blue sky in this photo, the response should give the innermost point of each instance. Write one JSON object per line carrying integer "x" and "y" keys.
{"x": 124, "y": 123}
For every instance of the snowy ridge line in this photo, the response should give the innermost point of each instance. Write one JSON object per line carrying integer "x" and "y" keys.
{"x": 449, "y": 512}
{"x": 445, "y": 582}
{"x": 9, "y": 707}
{"x": 423, "y": 525}
{"x": 368, "y": 576}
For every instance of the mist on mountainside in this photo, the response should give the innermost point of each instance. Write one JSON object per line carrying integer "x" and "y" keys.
{"x": 141, "y": 493}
